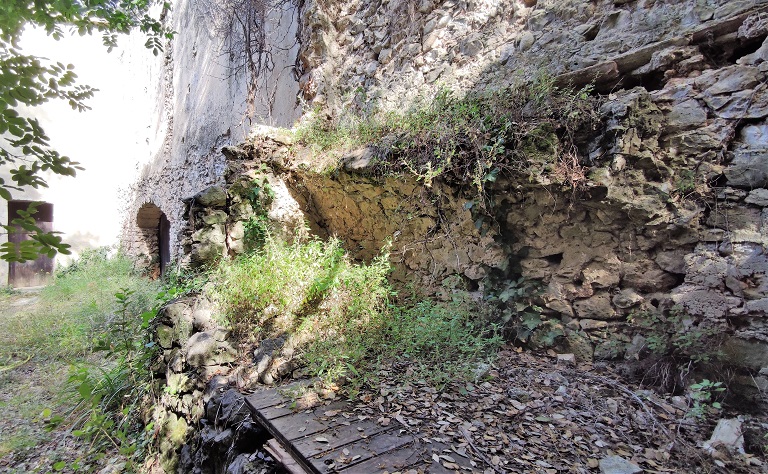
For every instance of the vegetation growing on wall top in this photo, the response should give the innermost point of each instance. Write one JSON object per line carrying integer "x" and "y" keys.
{"x": 529, "y": 129}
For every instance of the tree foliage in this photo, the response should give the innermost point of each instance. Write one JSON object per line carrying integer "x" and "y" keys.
{"x": 27, "y": 81}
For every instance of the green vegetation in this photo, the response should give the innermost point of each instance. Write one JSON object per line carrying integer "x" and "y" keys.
{"x": 676, "y": 334}
{"x": 339, "y": 315}
{"x": 256, "y": 228}
{"x": 678, "y": 344}
{"x": 520, "y": 313}
{"x": 115, "y": 393}
{"x": 529, "y": 129}
{"x": 76, "y": 358}
{"x": 703, "y": 396}
{"x": 75, "y": 307}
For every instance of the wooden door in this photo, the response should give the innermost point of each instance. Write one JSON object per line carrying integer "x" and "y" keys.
{"x": 34, "y": 272}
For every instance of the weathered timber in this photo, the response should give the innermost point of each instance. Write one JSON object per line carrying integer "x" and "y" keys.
{"x": 320, "y": 437}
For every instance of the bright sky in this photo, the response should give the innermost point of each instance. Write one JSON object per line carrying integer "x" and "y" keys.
{"x": 109, "y": 141}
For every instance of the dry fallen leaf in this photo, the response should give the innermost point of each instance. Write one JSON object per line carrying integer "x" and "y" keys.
{"x": 321, "y": 439}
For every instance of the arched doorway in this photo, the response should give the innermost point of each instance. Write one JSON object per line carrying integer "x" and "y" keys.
{"x": 155, "y": 231}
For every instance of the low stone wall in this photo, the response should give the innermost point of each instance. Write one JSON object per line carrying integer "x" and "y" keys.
{"x": 193, "y": 350}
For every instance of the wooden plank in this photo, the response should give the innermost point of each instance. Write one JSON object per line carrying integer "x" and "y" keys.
{"x": 275, "y": 396}
{"x": 297, "y": 426}
{"x": 277, "y": 411}
{"x": 288, "y": 407}
{"x": 395, "y": 460}
{"x": 349, "y": 443}
{"x": 293, "y": 425}
{"x": 263, "y": 399}
{"x": 361, "y": 450}
{"x": 337, "y": 436}
{"x": 280, "y": 455}
{"x": 334, "y": 412}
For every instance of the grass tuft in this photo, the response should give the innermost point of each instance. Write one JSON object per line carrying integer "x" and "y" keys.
{"x": 75, "y": 307}
{"x": 339, "y": 319}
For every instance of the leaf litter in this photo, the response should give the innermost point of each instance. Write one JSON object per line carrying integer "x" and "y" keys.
{"x": 533, "y": 414}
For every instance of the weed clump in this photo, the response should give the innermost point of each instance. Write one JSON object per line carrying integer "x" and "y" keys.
{"x": 339, "y": 319}
{"x": 87, "y": 318}
{"x": 675, "y": 345}
{"x": 77, "y": 306}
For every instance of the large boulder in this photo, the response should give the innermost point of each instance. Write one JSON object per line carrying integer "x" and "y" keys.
{"x": 205, "y": 348}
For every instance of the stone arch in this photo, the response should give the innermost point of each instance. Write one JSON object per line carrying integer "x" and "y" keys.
{"x": 154, "y": 234}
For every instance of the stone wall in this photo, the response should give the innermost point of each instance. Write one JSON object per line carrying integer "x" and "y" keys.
{"x": 380, "y": 55}
{"x": 385, "y": 54}
{"x": 673, "y": 208}
{"x": 673, "y": 212}
{"x": 204, "y": 101}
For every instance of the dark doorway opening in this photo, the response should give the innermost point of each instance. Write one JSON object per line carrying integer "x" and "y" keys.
{"x": 36, "y": 272}
{"x": 164, "y": 241}
{"x": 155, "y": 236}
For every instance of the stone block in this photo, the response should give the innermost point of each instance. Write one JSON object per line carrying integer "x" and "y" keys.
{"x": 596, "y": 307}
{"x": 704, "y": 302}
{"x": 728, "y": 436}
{"x": 618, "y": 465}
{"x": 732, "y": 216}
{"x": 213, "y": 196}
{"x": 578, "y": 344}
{"x": 605, "y": 273}
{"x": 215, "y": 217}
{"x": 757, "y": 307}
{"x": 672, "y": 261}
{"x": 758, "y": 197}
{"x": 213, "y": 234}
{"x": 728, "y": 80}
{"x": 592, "y": 324}
{"x": 645, "y": 275}
{"x": 164, "y": 336}
{"x": 627, "y": 298}
{"x": 746, "y": 104}
{"x": 203, "y": 349}
{"x": 685, "y": 115}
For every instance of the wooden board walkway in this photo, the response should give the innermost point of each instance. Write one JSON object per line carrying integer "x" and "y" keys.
{"x": 327, "y": 437}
